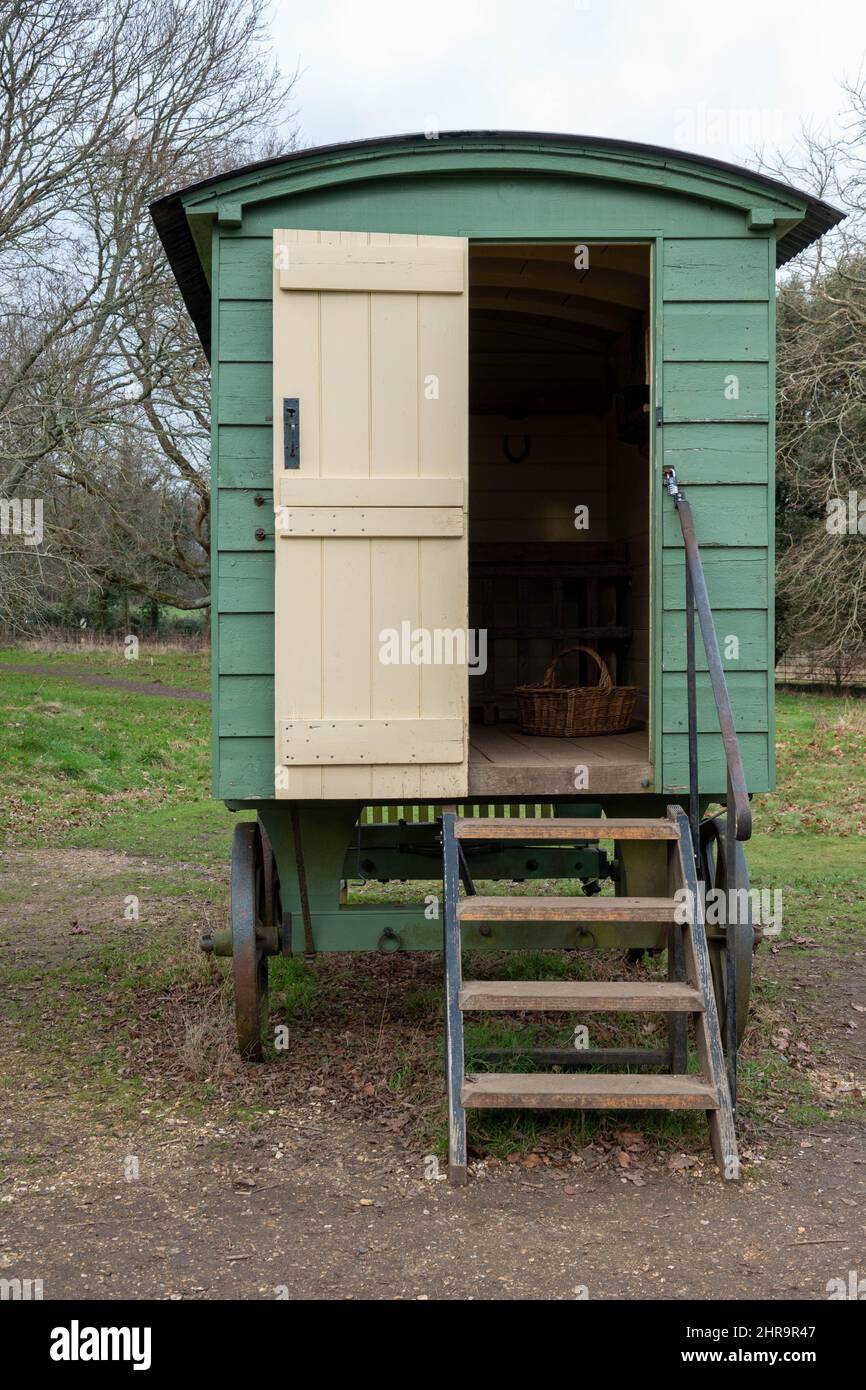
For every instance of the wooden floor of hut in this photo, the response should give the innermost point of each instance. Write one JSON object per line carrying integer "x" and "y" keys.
{"x": 504, "y": 762}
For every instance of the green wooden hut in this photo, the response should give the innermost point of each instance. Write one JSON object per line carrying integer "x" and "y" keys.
{"x": 489, "y": 409}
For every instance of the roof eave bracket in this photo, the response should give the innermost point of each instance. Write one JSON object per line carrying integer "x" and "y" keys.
{"x": 762, "y": 219}
{"x": 229, "y": 214}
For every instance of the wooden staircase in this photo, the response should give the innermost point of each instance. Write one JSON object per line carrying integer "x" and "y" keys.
{"x": 687, "y": 991}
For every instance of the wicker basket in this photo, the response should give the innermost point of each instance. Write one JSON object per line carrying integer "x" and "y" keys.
{"x": 575, "y": 711}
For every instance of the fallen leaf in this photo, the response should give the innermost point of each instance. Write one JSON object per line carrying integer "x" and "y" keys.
{"x": 679, "y": 1161}
{"x": 631, "y": 1139}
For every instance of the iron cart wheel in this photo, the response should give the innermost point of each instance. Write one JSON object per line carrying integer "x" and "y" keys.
{"x": 716, "y": 875}
{"x": 255, "y": 913}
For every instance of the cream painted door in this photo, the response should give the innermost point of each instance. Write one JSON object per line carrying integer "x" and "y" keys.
{"x": 370, "y": 487}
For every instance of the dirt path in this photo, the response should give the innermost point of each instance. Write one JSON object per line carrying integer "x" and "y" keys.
{"x": 128, "y": 1173}
{"x": 339, "y": 1215}
{"x": 64, "y": 673}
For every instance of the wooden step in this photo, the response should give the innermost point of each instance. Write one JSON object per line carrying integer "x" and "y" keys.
{"x": 550, "y": 1091}
{"x": 595, "y": 909}
{"x": 582, "y": 996}
{"x": 515, "y": 828}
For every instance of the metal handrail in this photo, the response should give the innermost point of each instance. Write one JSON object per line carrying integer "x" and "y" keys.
{"x": 739, "y": 826}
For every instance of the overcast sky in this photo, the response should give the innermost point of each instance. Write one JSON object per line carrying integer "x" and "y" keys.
{"x": 716, "y": 77}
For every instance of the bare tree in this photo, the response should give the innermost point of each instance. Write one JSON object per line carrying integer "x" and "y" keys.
{"x": 821, "y": 410}
{"x": 103, "y": 388}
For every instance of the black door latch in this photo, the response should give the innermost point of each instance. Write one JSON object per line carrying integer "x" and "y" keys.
{"x": 291, "y": 432}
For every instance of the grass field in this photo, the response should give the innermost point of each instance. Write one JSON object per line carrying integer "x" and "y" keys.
{"x": 91, "y": 772}
{"x": 181, "y": 665}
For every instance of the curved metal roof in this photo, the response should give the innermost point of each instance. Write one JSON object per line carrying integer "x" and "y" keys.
{"x": 171, "y": 223}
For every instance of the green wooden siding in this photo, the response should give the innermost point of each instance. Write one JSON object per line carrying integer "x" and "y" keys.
{"x": 245, "y": 582}
{"x": 714, "y": 322}
{"x": 246, "y": 768}
{"x": 246, "y": 644}
{"x": 704, "y": 391}
{"x": 246, "y": 394}
{"x": 244, "y": 567}
{"x": 246, "y": 331}
{"x": 246, "y": 706}
{"x": 245, "y": 267}
{"x": 748, "y": 692}
{"x": 241, "y": 514}
{"x": 732, "y": 575}
{"x": 716, "y": 356}
{"x": 712, "y": 269}
{"x": 747, "y": 625}
{"x": 245, "y": 456}
{"x": 724, "y": 453}
{"x": 716, "y": 332}
{"x": 711, "y": 753}
{"x": 728, "y": 515}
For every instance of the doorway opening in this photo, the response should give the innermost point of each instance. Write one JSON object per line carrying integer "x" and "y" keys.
{"x": 559, "y": 502}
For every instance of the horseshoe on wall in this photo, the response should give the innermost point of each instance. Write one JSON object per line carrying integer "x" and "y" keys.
{"x": 506, "y": 448}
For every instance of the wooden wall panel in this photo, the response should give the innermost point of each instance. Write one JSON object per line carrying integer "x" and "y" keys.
{"x": 534, "y": 500}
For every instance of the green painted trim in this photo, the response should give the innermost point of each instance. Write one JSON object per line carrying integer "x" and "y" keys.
{"x": 771, "y": 524}
{"x": 229, "y": 214}
{"x": 201, "y": 230}
{"x": 761, "y": 219}
{"x": 325, "y": 169}
{"x": 214, "y": 527}
{"x": 657, "y": 501}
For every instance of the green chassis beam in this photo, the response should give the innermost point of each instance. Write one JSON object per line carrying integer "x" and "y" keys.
{"x": 409, "y": 929}
{"x": 517, "y": 862}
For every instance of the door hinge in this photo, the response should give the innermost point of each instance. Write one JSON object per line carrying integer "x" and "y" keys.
{"x": 291, "y": 432}
{"x": 660, "y": 415}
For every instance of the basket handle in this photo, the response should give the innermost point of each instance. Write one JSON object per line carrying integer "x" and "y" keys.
{"x": 605, "y": 684}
